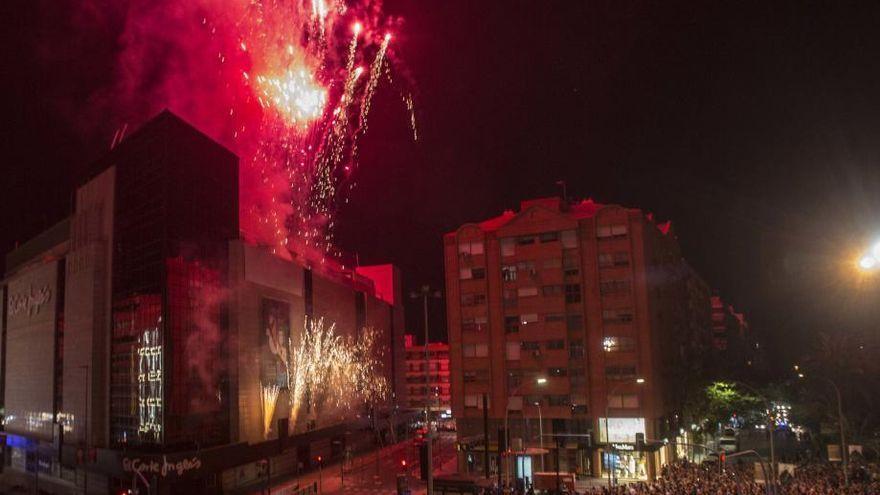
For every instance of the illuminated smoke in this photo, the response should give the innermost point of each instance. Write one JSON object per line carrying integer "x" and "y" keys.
{"x": 286, "y": 84}
{"x": 330, "y": 375}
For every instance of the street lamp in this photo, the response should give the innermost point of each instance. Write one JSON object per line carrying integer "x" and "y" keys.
{"x": 844, "y": 455}
{"x": 538, "y": 381}
{"x": 637, "y": 381}
{"x": 424, "y": 293}
{"x": 870, "y": 260}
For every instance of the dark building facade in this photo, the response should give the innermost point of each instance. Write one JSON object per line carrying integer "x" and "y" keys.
{"x": 137, "y": 335}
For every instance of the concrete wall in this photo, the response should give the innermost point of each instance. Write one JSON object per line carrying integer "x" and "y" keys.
{"x": 87, "y": 312}
{"x": 30, "y": 350}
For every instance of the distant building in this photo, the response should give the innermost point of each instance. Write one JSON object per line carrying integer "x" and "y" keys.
{"x": 555, "y": 313}
{"x": 431, "y": 385}
{"x": 141, "y": 333}
{"x": 734, "y": 344}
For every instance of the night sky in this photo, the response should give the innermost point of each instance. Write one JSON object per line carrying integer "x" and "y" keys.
{"x": 755, "y": 128}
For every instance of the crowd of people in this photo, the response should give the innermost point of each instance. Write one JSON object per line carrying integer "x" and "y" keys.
{"x": 692, "y": 479}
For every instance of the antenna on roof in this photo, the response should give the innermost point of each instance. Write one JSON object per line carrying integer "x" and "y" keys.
{"x": 561, "y": 183}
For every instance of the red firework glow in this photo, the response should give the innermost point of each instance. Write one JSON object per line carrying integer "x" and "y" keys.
{"x": 288, "y": 84}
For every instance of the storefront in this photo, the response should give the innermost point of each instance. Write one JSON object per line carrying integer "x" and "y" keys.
{"x": 620, "y": 457}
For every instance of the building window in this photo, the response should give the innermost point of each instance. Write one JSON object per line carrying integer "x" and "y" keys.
{"x": 472, "y": 247}
{"x": 478, "y": 273}
{"x": 552, "y": 290}
{"x": 508, "y": 273}
{"x": 552, "y": 263}
{"x": 474, "y": 401}
{"x": 514, "y": 379}
{"x": 572, "y": 293}
{"x": 569, "y": 239}
{"x": 527, "y": 291}
{"x": 558, "y": 401}
{"x": 530, "y": 345}
{"x": 511, "y": 324}
{"x": 577, "y": 376}
{"x": 606, "y": 260}
{"x": 475, "y": 350}
{"x": 549, "y": 237}
{"x": 570, "y": 263}
{"x": 576, "y": 349}
{"x": 621, "y": 258}
{"x": 473, "y": 299}
{"x": 618, "y": 344}
{"x": 508, "y": 246}
{"x": 574, "y": 322}
{"x": 525, "y": 240}
{"x": 527, "y": 267}
{"x": 557, "y": 371}
{"x": 508, "y": 298}
{"x": 475, "y": 324}
{"x": 513, "y": 350}
{"x": 620, "y": 372}
{"x": 611, "y": 231}
{"x": 528, "y": 318}
{"x": 554, "y": 317}
{"x": 614, "y": 287}
{"x": 555, "y": 344}
{"x": 623, "y": 401}
{"x": 617, "y": 315}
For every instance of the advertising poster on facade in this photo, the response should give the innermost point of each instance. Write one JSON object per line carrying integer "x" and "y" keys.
{"x": 623, "y": 430}
{"x": 275, "y": 322}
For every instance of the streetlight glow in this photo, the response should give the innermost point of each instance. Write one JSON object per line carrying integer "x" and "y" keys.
{"x": 541, "y": 381}
{"x": 867, "y": 262}
{"x": 640, "y": 380}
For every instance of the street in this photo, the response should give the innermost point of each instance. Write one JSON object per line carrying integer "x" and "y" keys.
{"x": 375, "y": 472}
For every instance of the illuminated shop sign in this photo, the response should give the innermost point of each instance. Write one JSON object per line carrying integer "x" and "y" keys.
{"x": 623, "y": 446}
{"x": 161, "y": 466}
{"x": 623, "y": 430}
{"x": 29, "y": 302}
{"x": 149, "y": 384}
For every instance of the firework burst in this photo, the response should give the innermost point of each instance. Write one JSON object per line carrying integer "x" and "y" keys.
{"x": 330, "y": 375}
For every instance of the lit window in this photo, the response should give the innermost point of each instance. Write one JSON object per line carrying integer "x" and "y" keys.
{"x": 529, "y": 318}
{"x": 508, "y": 273}
{"x": 618, "y": 344}
{"x": 508, "y": 246}
{"x": 527, "y": 291}
{"x": 513, "y": 351}
{"x": 472, "y": 247}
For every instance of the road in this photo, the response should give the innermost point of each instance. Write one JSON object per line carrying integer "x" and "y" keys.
{"x": 375, "y": 472}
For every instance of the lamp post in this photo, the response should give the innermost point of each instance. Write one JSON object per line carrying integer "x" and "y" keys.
{"x": 637, "y": 381}
{"x": 425, "y": 292}
{"x": 541, "y": 433}
{"x": 844, "y": 454}
{"x": 538, "y": 381}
